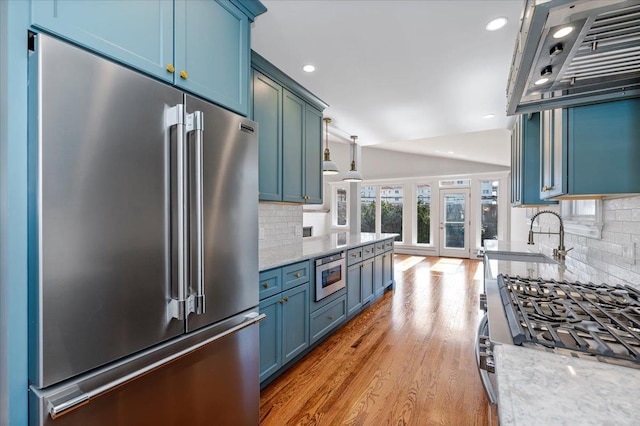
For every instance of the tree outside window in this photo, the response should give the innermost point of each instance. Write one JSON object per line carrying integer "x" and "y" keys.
{"x": 423, "y": 194}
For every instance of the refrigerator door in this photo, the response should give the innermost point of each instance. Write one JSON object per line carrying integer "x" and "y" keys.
{"x": 229, "y": 213}
{"x": 209, "y": 377}
{"x": 100, "y": 212}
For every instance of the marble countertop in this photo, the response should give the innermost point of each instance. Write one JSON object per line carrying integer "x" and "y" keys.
{"x": 312, "y": 247}
{"x": 540, "y": 388}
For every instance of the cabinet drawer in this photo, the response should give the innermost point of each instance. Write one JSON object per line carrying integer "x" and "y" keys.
{"x": 328, "y": 318}
{"x": 380, "y": 247}
{"x": 296, "y": 274}
{"x": 368, "y": 251}
{"x": 388, "y": 245}
{"x": 270, "y": 283}
{"x": 354, "y": 256}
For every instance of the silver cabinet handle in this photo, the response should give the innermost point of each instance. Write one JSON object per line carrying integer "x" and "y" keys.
{"x": 195, "y": 123}
{"x": 174, "y": 116}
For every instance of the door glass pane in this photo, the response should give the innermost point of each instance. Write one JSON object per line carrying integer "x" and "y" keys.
{"x": 489, "y": 208}
{"x": 454, "y": 205}
{"x": 341, "y": 207}
{"x": 368, "y": 207}
{"x": 423, "y": 203}
{"x": 391, "y": 205}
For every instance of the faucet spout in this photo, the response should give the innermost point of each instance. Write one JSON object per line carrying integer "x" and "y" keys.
{"x": 530, "y": 241}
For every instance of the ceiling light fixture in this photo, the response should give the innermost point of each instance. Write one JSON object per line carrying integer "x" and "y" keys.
{"x": 353, "y": 175}
{"x": 496, "y": 24}
{"x": 541, "y": 81}
{"x": 556, "y": 50}
{"x": 328, "y": 166}
{"x": 308, "y": 68}
{"x": 489, "y": 115}
{"x": 563, "y": 32}
{"x": 546, "y": 71}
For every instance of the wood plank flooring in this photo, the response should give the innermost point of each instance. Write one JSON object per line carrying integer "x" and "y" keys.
{"x": 406, "y": 360}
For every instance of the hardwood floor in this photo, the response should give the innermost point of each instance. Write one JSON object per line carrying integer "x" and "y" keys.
{"x": 406, "y": 360}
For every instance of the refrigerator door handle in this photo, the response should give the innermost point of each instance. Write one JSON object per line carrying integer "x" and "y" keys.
{"x": 195, "y": 124}
{"x": 175, "y": 116}
{"x": 73, "y": 397}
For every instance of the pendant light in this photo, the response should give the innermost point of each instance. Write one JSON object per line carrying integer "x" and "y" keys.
{"x": 353, "y": 175}
{"x": 328, "y": 166}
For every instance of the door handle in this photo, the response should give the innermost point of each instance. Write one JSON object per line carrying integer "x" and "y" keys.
{"x": 174, "y": 116}
{"x": 195, "y": 124}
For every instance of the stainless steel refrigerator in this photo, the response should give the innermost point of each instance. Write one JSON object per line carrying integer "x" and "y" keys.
{"x": 143, "y": 236}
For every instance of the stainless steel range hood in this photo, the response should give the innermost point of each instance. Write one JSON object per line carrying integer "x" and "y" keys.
{"x": 598, "y": 61}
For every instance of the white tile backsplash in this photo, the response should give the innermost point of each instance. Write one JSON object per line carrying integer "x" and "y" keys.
{"x": 614, "y": 258}
{"x": 279, "y": 224}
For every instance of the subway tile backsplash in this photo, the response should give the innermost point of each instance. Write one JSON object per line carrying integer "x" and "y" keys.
{"x": 279, "y": 224}
{"x": 615, "y": 257}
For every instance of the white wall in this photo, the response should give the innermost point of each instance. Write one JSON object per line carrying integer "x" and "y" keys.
{"x": 614, "y": 258}
{"x": 519, "y": 224}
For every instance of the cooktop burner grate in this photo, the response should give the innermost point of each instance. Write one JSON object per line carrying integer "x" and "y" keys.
{"x": 597, "y": 319}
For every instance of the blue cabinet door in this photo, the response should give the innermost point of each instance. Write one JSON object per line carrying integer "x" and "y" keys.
{"x": 212, "y": 52}
{"x": 313, "y": 155}
{"x": 267, "y": 112}
{"x": 295, "y": 321}
{"x": 378, "y": 283}
{"x": 367, "y": 281}
{"x": 270, "y": 336}
{"x": 354, "y": 290}
{"x": 135, "y": 32}
{"x": 387, "y": 269}
{"x": 292, "y": 145}
{"x": 553, "y": 154}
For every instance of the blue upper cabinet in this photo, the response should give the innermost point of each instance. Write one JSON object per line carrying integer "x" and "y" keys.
{"x": 525, "y": 162}
{"x": 313, "y": 156}
{"x": 138, "y": 33}
{"x": 202, "y": 46}
{"x": 293, "y": 148}
{"x": 592, "y": 150}
{"x": 212, "y": 52}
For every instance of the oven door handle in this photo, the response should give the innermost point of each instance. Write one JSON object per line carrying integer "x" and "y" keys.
{"x": 484, "y": 374}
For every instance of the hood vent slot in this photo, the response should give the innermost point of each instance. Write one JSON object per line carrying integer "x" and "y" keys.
{"x": 600, "y": 62}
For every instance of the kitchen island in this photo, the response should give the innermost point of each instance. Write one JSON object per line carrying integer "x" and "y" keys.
{"x": 543, "y": 386}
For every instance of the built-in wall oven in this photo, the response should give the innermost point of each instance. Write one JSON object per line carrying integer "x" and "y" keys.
{"x": 330, "y": 275}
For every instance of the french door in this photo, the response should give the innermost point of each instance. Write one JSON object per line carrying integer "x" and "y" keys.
{"x": 454, "y": 222}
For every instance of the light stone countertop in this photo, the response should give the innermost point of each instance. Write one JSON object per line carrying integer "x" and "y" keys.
{"x": 313, "y": 247}
{"x": 540, "y": 388}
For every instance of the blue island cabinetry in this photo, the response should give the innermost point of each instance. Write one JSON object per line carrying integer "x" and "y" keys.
{"x": 200, "y": 46}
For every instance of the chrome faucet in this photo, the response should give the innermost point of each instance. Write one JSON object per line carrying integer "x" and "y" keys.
{"x": 559, "y": 253}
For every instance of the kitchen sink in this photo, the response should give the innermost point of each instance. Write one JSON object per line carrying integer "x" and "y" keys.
{"x": 521, "y": 257}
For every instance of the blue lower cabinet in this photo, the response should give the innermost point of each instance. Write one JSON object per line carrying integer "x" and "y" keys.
{"x": 327, "y": 318}
{"x": 354, "y": 290}
{"x": 378, "y": 282}
{"x": 366, "y": 281}
{"x": 387, "y": 269}
{"x": 295, "y": 321}
{"x": 270, "y": 336}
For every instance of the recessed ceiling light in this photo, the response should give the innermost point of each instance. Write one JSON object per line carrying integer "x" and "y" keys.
{"x": 308, "y": 68}
{"x": 541, "y": 81}
{"x": 489, "y": 116}
{"x": 564, "y": 31}
{"x": 496, "y": 24}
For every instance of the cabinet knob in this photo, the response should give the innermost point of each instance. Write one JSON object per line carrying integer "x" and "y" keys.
{"x": 281, "y": 301}
{"x": 265, "y": 285}
{"x": 184, "y": 75}
{"x": 171, "y": 68}
{"x": 330, "y": 317}
{"x": 547, "y": 188}
{"x": 286, "y": 299}
{"x": 297, "y": 275}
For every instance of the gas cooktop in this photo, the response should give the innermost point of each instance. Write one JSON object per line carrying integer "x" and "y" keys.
{"x": 592, "y": 319}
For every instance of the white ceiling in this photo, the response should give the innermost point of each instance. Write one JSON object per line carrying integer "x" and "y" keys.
{"x": 413, "y": 76}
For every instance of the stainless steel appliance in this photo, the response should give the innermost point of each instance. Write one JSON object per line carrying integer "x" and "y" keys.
{"x": 330, "y": 275}
{"x": 143, "y": 236}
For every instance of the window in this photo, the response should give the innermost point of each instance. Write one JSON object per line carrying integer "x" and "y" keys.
{"x": 489, "y": 210}
{"x": 423, "y": 213}
{"x": 391, "y": 210}
{"x": 582, "y": 217}
{"x": 368, "y": 207}
{"x": 340, "y": 206}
